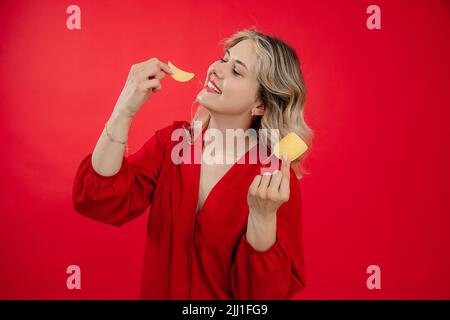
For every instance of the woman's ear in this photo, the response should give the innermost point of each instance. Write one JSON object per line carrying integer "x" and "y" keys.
{"x": 258, "y": 110}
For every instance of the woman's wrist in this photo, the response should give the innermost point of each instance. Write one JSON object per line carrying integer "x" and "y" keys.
{"x": 261, "y": 230}
{"x": 122, "y": 113}
{"x": 118, "y": 125}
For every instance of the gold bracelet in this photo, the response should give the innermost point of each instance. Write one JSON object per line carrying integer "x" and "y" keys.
{"x": 111, "y": 138}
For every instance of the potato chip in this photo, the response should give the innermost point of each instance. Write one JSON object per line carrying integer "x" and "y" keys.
{"x": 179, "y": 74}
{"x": 291, "y": 144}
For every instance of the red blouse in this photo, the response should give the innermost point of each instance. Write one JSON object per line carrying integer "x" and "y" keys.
{"x": 190, "y": 254}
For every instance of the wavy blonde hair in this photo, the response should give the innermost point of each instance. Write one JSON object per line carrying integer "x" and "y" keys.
{"x": 281, "y": 90}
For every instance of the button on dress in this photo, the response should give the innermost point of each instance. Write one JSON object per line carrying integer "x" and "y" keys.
{"x": 189, "y": 254}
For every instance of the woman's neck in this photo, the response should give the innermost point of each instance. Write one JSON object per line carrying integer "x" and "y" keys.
{"x": 230, "y": 148}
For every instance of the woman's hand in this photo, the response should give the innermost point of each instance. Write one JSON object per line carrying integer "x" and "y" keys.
{"x": 265, "y": 195}
{"x": 269, "y": 191}
{"x": 143, "y": 80}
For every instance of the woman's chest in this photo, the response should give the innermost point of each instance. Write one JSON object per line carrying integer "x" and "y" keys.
{"x": 210, "y": 175}
{"x": 220, "y": 192}
{"x": 222, "y": 204}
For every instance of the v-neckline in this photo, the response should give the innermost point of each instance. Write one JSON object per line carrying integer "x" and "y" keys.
{"x": 227, "y": 173}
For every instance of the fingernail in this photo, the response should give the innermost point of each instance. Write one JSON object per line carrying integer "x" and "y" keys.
{"x": 285, "y": 157}
{"x": 275, "y": 171}
{"x": 267, "y": 173}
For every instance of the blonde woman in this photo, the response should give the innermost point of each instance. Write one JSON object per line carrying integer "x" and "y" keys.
{"x": 216, "y": 229}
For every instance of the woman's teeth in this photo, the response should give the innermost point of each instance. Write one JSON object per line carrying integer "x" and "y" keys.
{"x": 211, "y": 86}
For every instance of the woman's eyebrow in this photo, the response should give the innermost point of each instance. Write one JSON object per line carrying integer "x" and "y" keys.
{"x": 237, "y": 61}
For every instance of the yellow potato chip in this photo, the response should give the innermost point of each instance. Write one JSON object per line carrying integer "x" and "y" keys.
{"x": 179, "y": 74}
{"x": 291, "y": 144}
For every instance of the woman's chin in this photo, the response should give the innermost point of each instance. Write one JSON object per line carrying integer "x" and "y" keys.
{"x": 207, "y": 106}
{"x": 206, "y": 100}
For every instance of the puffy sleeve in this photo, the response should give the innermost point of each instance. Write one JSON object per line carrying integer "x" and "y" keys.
{"x": 277, "y": 273}
{"x": 122, "y": 197}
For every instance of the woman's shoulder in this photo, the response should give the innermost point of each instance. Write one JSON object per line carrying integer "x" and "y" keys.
{"x": 180, "y": 124}
{"x": 175, "y": 124}
{"x": 166, "y": 131}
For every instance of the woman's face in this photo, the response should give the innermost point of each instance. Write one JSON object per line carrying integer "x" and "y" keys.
{"x": 235, "y": 77}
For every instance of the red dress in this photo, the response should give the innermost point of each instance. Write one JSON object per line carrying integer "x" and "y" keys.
{"x": 190, "y": 254}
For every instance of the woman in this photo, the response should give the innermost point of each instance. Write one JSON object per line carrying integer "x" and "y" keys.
{"x": 215, "y": 230}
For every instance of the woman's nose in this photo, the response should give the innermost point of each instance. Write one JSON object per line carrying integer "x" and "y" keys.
{"x": 218, "y": 71}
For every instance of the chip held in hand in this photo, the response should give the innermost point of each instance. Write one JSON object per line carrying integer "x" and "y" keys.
{"x": 291, "y": 144}
{"x": 180, "y": 75}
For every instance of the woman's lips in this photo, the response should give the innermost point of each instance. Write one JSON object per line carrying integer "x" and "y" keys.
{"x": 215, "y": 85}
{"x": 208, "y": 89}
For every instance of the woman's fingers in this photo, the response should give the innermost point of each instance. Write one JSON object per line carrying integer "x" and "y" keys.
{"x": 254, "y": 186}
{"x": 153, "y": 68}
{"x": 151, "y": 71}
{"x": 153, "y": 84}
{"x": 159, "y": 75}
{"x": 142, "y": 81}
{"x": 262, "y": 189}
{"x": 165, "y": 68}
{"x": 153, "y": 61}
{"x": 274, "y": 186}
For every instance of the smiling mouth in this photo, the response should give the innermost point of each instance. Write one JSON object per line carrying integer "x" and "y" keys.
{"x": 212, "y": 87}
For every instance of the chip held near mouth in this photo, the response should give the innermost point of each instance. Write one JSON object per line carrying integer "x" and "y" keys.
{"x": 180, "y": 75}
{"x": 291, "y": 144}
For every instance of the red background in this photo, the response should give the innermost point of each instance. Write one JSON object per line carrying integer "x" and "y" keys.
{"x": 377, "y": 101}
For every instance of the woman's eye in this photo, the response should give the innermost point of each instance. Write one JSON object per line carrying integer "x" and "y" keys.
{"x": 234, "y": 71}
